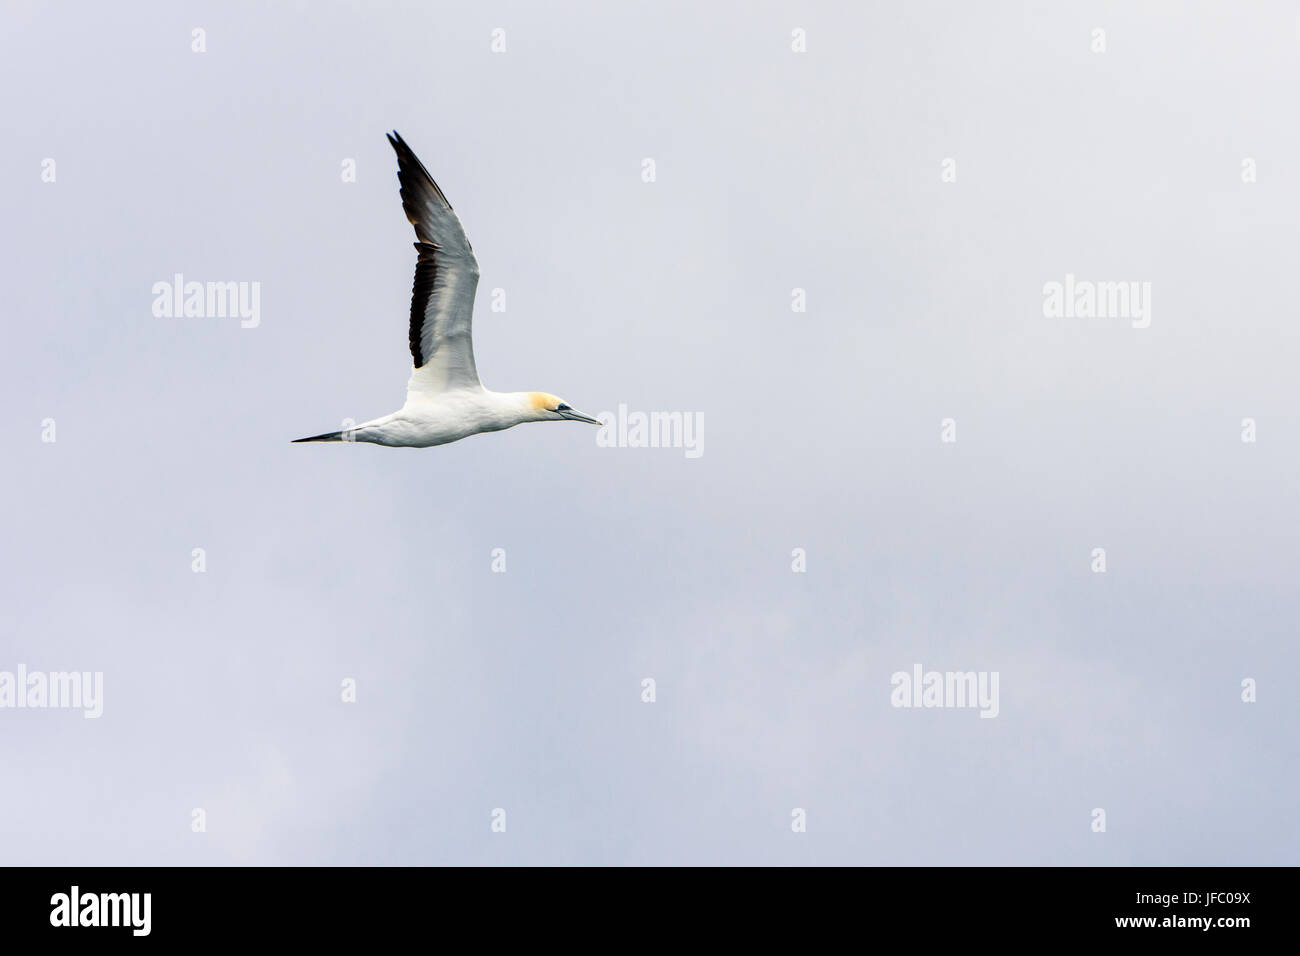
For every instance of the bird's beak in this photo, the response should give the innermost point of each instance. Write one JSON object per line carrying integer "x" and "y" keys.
{"x": 573, "y": 416}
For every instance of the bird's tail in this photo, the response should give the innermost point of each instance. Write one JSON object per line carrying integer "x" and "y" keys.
{"x": 328, "y": 436}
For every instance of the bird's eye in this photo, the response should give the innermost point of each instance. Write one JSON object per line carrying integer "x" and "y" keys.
{"x": 563, "y": 408}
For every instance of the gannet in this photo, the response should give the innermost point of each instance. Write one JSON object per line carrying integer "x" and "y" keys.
{"x": 445, "y": 401}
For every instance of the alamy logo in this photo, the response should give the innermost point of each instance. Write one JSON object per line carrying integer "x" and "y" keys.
{"x": 1085, "y": 299}
{"x": 626, "y": 429}
{"x": 208, "y": 300}
{"x": 102, "y": 909}
{"x": 946, "y": 689}
{"x": 57, "y": 689}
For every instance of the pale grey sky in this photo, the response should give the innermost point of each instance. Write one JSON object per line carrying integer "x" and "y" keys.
{"x": 775, "y": 170}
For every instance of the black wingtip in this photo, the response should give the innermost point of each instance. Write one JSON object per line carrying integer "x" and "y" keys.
{"x": 408, "y": 164}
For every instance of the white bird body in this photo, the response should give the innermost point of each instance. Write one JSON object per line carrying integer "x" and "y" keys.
{"x": 450, "y": 416}
{"x": 445, "y": 401}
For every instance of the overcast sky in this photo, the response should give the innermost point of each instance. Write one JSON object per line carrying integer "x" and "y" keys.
{"x": 774, "y": 170}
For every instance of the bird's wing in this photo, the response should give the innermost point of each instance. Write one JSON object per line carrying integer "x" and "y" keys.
{"x": 446, "y": 276}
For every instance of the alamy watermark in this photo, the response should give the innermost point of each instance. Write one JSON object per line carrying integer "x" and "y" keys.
{"x": 72, "y": 690}
{"x": 624, "y": 429}
{"x": 129, "y": 910}
{"x": 1086, "y": 299}
{"x": 949, "y": 689}
{"x": 208, "y": 300}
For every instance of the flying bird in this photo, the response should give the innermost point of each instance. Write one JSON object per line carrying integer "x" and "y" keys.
{"x": 445, "y": 401}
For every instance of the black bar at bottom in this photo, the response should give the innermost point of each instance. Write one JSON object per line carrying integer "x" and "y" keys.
{"x": 333, "y": 905}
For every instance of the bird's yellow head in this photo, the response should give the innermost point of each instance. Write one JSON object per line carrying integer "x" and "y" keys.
{"x": 552, "y": 408}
